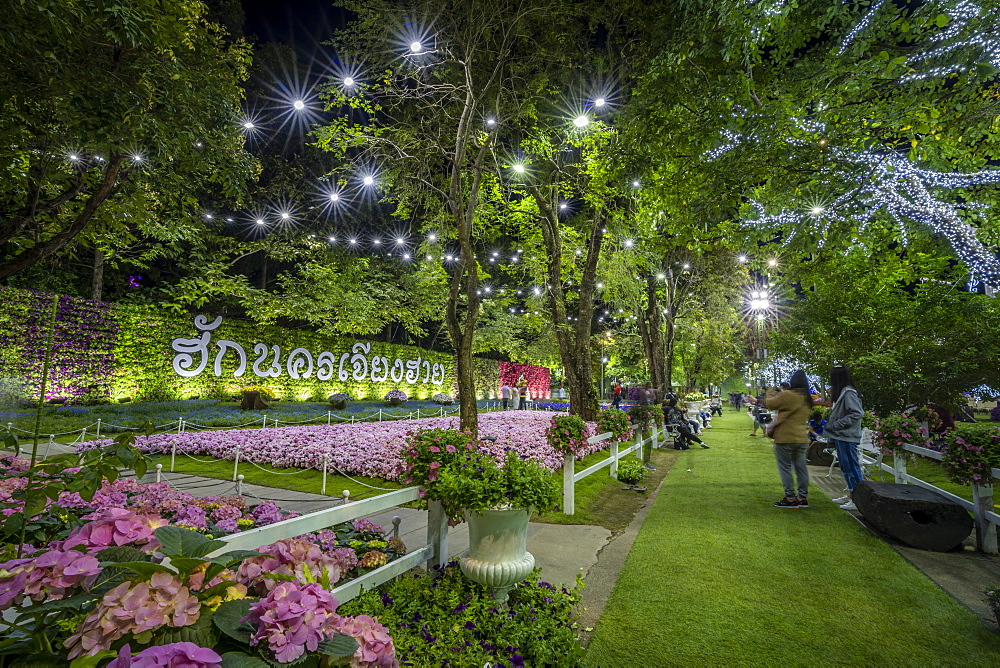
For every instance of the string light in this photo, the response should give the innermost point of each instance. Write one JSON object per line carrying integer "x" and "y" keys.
{"x": 299, "y": 105}
{"x": 581, "y": 121}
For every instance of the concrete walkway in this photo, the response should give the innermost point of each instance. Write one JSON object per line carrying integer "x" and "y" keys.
{"x": 561, "y": 551}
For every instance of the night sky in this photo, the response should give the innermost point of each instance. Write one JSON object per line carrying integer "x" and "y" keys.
{"x": 299, "y": 23}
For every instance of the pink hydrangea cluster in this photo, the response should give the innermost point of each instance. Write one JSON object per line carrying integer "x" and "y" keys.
{"x": 267, "y": 513}
{"x": 375, "y": 648}
{"x": 174, "y": 655}
{"x": 135, "y": 607}
{"x": 48, "y": 575}
{"x": 293, "y": 618}
{"x": 113, "y": 527}
{"x": 300, "y": 559}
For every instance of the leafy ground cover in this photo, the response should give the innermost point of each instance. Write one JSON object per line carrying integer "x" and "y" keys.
{"x": 718, "y": 576}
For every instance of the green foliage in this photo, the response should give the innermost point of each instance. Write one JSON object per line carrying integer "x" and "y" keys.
{"x": 641, "y": 416}
{"x": 616, "y": 421}
{"x": 266, "y": 392}
{"x": 445, "y": 618}
{"x": 631, "y": 471}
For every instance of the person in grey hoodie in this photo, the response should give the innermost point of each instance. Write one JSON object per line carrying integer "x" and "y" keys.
{"x": 843, "y": 429}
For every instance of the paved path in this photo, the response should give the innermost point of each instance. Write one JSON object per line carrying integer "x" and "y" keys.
{"x": 561, "y": 551}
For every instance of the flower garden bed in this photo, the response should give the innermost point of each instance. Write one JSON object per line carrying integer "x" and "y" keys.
{"x": 370, "y": 449}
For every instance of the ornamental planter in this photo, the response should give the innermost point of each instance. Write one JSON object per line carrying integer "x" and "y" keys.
{"x": 497, "y": 556}
{"x": 394, "y": 401}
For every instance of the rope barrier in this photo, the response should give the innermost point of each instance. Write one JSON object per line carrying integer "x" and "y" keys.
{"x": 276, "y": 472}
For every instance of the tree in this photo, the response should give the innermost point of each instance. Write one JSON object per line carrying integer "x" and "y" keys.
{"x": 899, "y": 320}
{"x": 427, "y": 126}
{"x": 132, "y": 105}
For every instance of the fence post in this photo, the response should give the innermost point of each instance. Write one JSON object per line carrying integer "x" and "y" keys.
{"x": 97, "y": 434}
{"x": 442, "y": 411}
{"x": 569, "y": 487}
{"x": 325, "y": 460}
{"x": 418, "y": 413}
{"x": 655, "y": 441}
{"x": 239, "y": 484}
{"x": 159, "y": 472}
{"x": 173, "y": 454}
{"x": 614, "y": 459}
{"x": 638, "y": 443}
{"x": 263, "y": 425}
{"x": 180, "y": 425}
{"x": 986, "y": 531}
{"x": 396, "y": 520}
{"x": 52, "y": 441}
{"x": 899, "y": 465}
{"x": 329, "y": 416}
{"x": 437, "y": 533}
{"x": 380, "y": 415}
{"x": 83, "y": 434}
{"x": 236, "y": 462}
{"x": 347, "y": 496}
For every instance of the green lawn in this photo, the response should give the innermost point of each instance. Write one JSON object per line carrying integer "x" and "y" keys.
{"x": 718, "y": 576}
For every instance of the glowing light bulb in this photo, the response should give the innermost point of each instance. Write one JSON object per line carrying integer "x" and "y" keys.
{"x": 563, "y": 206}
{"x": 599, "y": 102}
{"x": 74, "y": 157}
{"x": 581, "y": 121}
{"x": 285, "y": 215}
{"x": 259, "y": 221}
{"x": 406, "y": 256}
{"x": 687, "y": 266}
{"x": 635, "y": 184}
{"x": 772, "y": 263}
{"x": 353, "y": 242}
{"x": 400, "y": 240}
{"x": 519, "y": 168}
{"x": 432, "y": 237}
{"x": 660, "y": 276}
{"x": 628, "y": 243}
{"x": 136, "y": 157}
{"x": 208, "y": 216}
{"x": 816, "y": 210}
{"x": 743, "y": 259}
{"x": 368, "y": 180}
{"x": 416, "y": 47}
{"x": 334, "y": 197}
{"x": 299, "y": 105}
{"x": 332, "y": 239}
{"x": 491, "y": 121}
{"x": 348, "y": 81}
{"x": 249, "y": 125}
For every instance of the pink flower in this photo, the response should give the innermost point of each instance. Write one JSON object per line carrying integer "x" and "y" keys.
{"x": 174, "y": 655}
{"x": 375, "y": 648}
{"x": 434, "y": 448}
{"x": 293, "y": 618}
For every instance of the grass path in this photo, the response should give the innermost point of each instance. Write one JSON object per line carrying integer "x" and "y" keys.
{"x": 717, "y": 576}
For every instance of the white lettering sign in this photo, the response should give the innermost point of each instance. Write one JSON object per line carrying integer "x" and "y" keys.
{"x": 300, "y": 363}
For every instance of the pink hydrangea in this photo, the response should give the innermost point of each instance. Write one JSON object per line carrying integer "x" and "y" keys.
{"x": 226, "y": 512}
{"x": 174, "y": 655}
{"x": 375, "y": 648}
{"x": 113, "y": 527}
{"x": 48, "y": 575}
{"x": 135, "y": 607}
{"x": 293, "y": 618}
{"x": 301, "y": 559}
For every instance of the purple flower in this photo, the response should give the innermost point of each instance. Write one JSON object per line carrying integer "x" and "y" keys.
{"x": 174, "y": 655}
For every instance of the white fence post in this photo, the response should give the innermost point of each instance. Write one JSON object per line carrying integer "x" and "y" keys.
{"x": 380, "y": 415}
{"x": 418, "y": 413}
{"x": 899, "y": 465}
{"x": 442, "y": 411}
{"x": 614, "y": 456}
{"x": 83, "y": 434}
{"x": 569, "y": 491}
{"x": 239, "y": 484}
{"x": 97, "y": 434}
{"x": 236, "y": 462}
{"x": 180, "y": 425}
{"x": 638, "y": 442}
{"x": 159, "y": 472}
{"x": 654, "y": 443}
{"x": 173, "y": 454}
{"x": 326, "y": 459}
{"x": 52, "y": 441}
{"x": 329, "y": 416}
{"x": 347, "y": 497}
{"x": 437, "y": 533}
{"x": 986, "y": 531}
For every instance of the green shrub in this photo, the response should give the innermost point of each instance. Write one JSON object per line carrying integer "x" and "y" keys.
{"x": 444, "y": 619}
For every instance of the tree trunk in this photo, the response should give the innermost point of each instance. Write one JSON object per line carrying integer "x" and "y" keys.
{"x": 263, "y": 271}
{"x": 97, "y": 280}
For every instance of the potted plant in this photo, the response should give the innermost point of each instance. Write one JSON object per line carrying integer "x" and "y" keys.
{"x": 631, "y": 471}
{"x": 567, "y": 434}
{"x": 497, "y": 499}
{"x": 338, "y": 401}
{"x": 443, "y": 399}
{"x": 395, "y": 397}
{"x": 615, "y": 421}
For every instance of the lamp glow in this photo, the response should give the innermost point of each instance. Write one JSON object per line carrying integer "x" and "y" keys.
{"x": 334, "y": 197}
{"x": 249, "y": 125}
{"x": 259, "y": 221}
{"x": 519, "y": 168}
{"x": 416, "y": 47}
{"x": 600, "y": 102}
{"x": 348, "y": 81}
{"x": 299, "y": 105}
{"x": 368, "y": 180}
{"x": 581, "y": 121}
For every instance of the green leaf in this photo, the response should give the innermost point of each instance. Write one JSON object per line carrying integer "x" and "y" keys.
{"x": 228, "y": 615}
{"x": 240, "y": 660}
{"x": 185, "y": 542}
{"x": 92, "y": 660}
{"x": 121, "y": 553}
{"x": 229, "y": 558}
{"x": 942, "y": 20}
{"x": 202, "y": 632}
{"x": 143, "y": 567}
{"x": 338, "y": 645}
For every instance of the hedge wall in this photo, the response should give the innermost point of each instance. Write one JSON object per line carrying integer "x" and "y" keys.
{"x": 105, "y": 351}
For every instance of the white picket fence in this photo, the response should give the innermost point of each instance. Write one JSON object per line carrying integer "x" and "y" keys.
{"x": 981, "y": 505}
{"x": 435, "y": 552}
{"x": 570, "y": 477}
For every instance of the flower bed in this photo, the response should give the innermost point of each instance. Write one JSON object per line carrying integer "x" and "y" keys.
{"x": 370, "y": 448}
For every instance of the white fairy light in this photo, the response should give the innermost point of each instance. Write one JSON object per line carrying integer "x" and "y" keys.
{"x": 259, "y": 221}
{"x": 416, "y": 47}
{"x": 581, "y": 121}
{"x": 368, "y": 180}
{"x": 519, "y": 168}
{"x": 600, "y": 102}
{"x": 348, "y": 81}
{"x": 299, "y": 105}
{"x": 334, "y": 197}
{"x": 249, "y": 125}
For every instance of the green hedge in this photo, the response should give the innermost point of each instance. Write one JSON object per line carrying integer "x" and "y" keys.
{"x": 106, "y": 351}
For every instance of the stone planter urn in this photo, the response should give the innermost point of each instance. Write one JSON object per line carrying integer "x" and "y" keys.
{"x": 394, "y": 401}
{"x": 497, "y": 556}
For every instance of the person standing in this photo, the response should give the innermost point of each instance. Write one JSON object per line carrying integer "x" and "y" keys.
{"x": 515, "y": 397}
{"x": 759, "y": 413}
{"x": 505, "y": 396}
{"x": 843, "y": 429}
{"x": 522, "y": 391}
{"x": 616, "y": 394}
{"x": 791, "y": 438}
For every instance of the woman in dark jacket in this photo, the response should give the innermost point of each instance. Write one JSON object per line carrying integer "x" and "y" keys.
{"x": 843, "y": 428}
{"x": 676, "y": 418}
{"x": 791, "y": 438}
